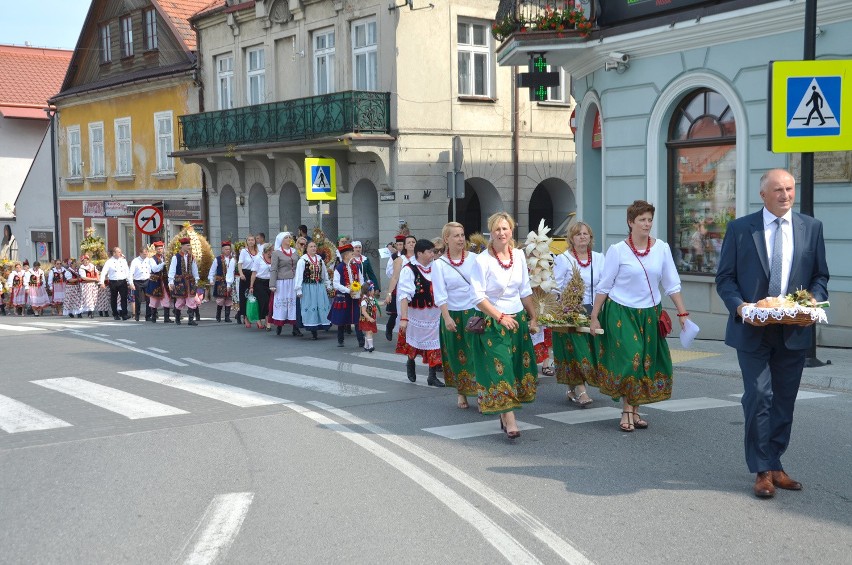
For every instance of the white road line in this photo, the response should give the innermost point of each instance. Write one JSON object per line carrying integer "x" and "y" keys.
{"x": 802, "y": 395}
{"x": 128, "y": 405}
{"x": 127, "y": 341}
{"x": 218, "y": 528}
{"x": 361, "y": 370}
{"x": 498, "y": 537}
{"x": 379, "y": 356}
{"x": 583, "y": 416}
{"x": 56, "y": 325}
{"x": 687, "y": 404}
{"x": 103, "y": 335}
{"x": 18, "y": 417}
{"x": 19, "y": 328}
{"x": 325, "y": 386}
{"x": 527, "y": 521}
{"x": 475, "y": 429}
{"x": 157, "y": 350}
{"x": 131, "y": 348}
{"x": 218, "y": 391}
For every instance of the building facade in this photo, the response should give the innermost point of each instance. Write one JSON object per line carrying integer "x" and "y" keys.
{"x": 31, "y": 75}
{"x": 381, "y": 91}
{"x": 132, "y": 74}
{"x": 681, "y": 96}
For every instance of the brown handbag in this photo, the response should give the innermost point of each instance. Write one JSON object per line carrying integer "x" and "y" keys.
{"x": 475, "y": 325}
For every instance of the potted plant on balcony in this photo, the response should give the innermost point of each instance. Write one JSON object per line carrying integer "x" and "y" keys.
{"x": 569, "y": 17}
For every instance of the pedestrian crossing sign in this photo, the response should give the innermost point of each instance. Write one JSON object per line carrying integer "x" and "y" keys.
{"x": 320, "y": 179}
{"x": 806, "y": 110}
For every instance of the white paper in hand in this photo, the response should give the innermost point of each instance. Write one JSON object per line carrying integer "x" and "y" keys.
{"x": 688, "y": 333}
{"x": 384, "y": 253}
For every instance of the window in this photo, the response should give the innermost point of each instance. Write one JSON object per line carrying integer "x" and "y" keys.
{"x": 149, "y": 29}
{"x": 123, "y": 148}
{"x": 127, "y": 237}
{"x": 101, "y": 230}
{"x": 256, "y": 75}
{"x": 225, "y": 77}
{"x": 75, "y": 156}
{"x": 126, "y": 28}
{"x": 474, "y": 59}
{"x": 96, "y": 149}
{"x": 702, "y": 180}
{"x": 364, "y": 54}
{"x": 106, "y": 44}
{"x": 165, "y": 144}
{"x": 324, "y": 62}
{"x": 76, "y": 232}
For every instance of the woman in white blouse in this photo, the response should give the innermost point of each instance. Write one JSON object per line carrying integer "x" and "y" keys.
{"x": 259, "y": 286}
{"x": 311, "y": 288}
{"x": 635, "y": 364}
{"x": 249, "y": 255}
{"x": 451, "y": 284}
{"x": 501, "y": 287}
{"x": 575, "y": 354}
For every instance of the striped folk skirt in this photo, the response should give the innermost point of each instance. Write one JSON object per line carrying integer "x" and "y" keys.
{"x": 460, "y": 353}
{"x": 634, "y": 362}
{"x": 509, "y": 374}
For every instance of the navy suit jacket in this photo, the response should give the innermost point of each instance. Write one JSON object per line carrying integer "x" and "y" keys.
{"x": 743, "y": 275}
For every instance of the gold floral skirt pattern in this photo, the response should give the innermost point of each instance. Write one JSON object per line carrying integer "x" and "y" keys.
{"x": 509, "y": 375}
{"x": 460, "y": 353}
{"x": 575, "y": 358}
{"x": 634, "y": 362}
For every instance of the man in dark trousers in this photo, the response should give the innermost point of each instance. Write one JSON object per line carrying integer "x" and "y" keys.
{"x": 117, "y": 272}
{"x": 772, "y": 252}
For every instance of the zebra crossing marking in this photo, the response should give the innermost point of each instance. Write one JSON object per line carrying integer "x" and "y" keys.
{"x": 380, "y": 356}
{"x": 157, "y": 350}
{"x": 326, "y": 386}
{"x": 583, "y": 416}
{"x": 233, "y": 395}
{"x": 802, "y": 395}
{"x": 687, "y": 404}
{"x": 476, "y": 429}
{"x": 18, "y": 417}
{"x": 361, "y": 370}
{"x": 11, "y": 328}
{"x": 126, "y": 404}
{"x": 218, "y": 528}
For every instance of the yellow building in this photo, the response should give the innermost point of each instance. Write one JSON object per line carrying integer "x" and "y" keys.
{"x": 132, "y": 74}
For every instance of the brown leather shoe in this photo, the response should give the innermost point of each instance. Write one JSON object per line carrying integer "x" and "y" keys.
{"x": 763, "y": 487}
{"x": 782, "y": 480}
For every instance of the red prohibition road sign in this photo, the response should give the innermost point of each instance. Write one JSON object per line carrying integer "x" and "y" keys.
{"x": 148, "y": 220}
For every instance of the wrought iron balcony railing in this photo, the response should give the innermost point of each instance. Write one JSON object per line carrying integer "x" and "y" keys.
{"x": 566, "y": 16}
{"x": 290, "y": 120}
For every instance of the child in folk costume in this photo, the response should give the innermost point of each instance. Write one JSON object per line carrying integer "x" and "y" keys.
{"x": 16, "y": 283}
{"x": 183, "y": 274}
{"x": 56, "y": 284}
{"x": 369, "y": 312}
{"x": 88, "y": 285}
{"x": 157, "y": 291}
{"x": 390, "y": 301}
{"x": 37, "y": 289}
{"x": 73, "y": 304}
{"x": 311, "y": 286}
{"x": 347, "y": 282}
{"x": 221, "y": 278}
{"x": 419, "y": 317}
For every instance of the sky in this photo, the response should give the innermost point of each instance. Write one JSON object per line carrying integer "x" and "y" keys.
{"x": 42, "y": 23}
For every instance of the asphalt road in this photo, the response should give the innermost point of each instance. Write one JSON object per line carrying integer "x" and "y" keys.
{"x": 126, "y": 442}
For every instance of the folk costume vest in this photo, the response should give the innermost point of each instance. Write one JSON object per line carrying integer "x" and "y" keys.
{"x": 423, "y": 297}
{"x": 184, "y": 280}
{"x": 220, "y": 286}
{"x": 156, "y": 286}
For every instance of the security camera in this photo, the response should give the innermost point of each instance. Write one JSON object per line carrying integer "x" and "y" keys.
{"x": 610, "y": 66}
{"x": 619, "y": 57}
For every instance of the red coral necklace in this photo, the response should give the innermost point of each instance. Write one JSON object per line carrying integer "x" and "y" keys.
{"x": 636, "y": 251}
{"x": 499, "y": 262}
{"x": 588, "y": 257}
{"x": 453, "y": 263}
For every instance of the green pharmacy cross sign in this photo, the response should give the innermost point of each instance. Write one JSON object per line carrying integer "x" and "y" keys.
{"x": 538, "y": 79}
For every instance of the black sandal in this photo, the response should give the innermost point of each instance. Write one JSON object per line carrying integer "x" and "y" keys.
{"x": 638, "y": 422}
{"x": 627, "y": 426}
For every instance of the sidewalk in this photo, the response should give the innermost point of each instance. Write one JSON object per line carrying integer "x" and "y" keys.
{"x": 715, "y": 358}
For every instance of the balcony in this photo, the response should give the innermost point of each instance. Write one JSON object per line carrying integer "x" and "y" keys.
{"x": 301, "y": 119}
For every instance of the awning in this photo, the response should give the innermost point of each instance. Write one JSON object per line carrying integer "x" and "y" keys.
{"x": 23, "y": 113}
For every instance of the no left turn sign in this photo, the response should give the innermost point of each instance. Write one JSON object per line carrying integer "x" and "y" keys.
{"x": 149, "y": 220}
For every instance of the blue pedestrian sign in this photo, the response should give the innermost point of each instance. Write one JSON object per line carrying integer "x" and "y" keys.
{"x": 320, "y": 179}
{"x": 806, "y": 106}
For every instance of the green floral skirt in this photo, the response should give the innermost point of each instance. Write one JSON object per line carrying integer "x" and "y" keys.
{"x": 460, "y": 353}
{"x": 509, "y": 374}
{"x": 634, "y": 362}
{"x": 575, "y": 357}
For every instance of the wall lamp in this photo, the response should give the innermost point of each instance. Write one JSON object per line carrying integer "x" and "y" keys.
{"x": 241, "y": 200}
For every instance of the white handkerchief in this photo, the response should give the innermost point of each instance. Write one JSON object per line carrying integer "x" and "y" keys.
{"x": 384, "y": 253}
{"x": 688, "y": 333}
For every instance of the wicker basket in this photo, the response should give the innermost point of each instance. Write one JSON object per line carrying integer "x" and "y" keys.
{"x": 794, "y": 316}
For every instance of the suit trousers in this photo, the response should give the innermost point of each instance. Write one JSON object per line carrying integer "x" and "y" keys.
{"x": 117, "y": 288}
{"x": 771, "y": 377}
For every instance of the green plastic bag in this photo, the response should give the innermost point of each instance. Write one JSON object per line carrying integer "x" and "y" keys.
{"x": 252, "y": 309}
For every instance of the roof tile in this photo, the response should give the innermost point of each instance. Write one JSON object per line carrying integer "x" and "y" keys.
{"x": 31, "y": 75}
{"x": 179, "y": 11}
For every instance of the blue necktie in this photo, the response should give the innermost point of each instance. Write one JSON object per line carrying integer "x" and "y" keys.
{"x": 777, "y": 260}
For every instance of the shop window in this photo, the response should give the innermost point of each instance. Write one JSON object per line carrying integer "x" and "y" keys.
{"x": 702, "y": 158}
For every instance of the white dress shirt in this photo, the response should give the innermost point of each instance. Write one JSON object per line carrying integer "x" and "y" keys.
{"x": 563, "y": 270}
{"x": 116, "y": 270}
{"x": 787, "y": 243}
{"x": 249, "y": 261}
{"x": 623, "y": 278}
{"x": 503, "y": 288}
{"x": 229, "y": 264}
{"x": 449, "y": 284}
{"x": 140, "y": 270}
{"x": 188, "y": 260}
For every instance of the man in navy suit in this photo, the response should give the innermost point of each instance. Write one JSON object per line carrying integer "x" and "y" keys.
{"x": 752, "y": 266}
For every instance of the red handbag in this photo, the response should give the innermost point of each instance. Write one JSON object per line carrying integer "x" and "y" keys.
{"x": 665, "y": 323}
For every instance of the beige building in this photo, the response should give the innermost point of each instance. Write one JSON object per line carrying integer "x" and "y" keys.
{"x": 382, "y": 91}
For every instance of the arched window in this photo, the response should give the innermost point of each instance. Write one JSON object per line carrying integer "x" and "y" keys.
{"x": 702, "y": 161}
